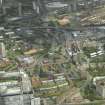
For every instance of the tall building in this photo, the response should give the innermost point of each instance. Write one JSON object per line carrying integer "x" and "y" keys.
{"x": 100, "y": 88}
{"x": 2, "y": 50}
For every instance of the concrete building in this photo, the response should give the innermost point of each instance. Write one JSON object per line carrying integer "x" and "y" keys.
{"x": 11, "y": 83}
{"x": 26, "y": 60}
{"x": 2, "y": 50}
{"x": 17, "y": 100}
{"x": 100, "y": 87}
{"x": 35, "y": 101}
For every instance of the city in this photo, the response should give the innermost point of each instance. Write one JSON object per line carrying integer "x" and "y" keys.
{"x": 52, "y": 52}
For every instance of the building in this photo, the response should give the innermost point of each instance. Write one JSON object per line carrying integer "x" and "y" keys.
{"x": 56, "y": 5}
{"x": 10, "y": 88}
{"x": 24, "y": 99}
{"x": 11, "y": 83}
{"x": 100, "y": 87}
{"x": 35, "y": 101}
{"x": 64, "y": 22}
{"x": 31, "y": 52}
{"x": 26, "y": 60}
{"x": 2, "y": 50}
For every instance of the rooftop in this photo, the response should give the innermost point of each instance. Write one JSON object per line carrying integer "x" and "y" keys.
{"x": 101, "y": 82}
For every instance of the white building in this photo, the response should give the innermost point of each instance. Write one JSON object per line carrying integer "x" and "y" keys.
{"x": 25, "y": 60}
{"x": 100, "y": 88}
{"x": 35, "y": 101}
{"x": 2, "y": 50}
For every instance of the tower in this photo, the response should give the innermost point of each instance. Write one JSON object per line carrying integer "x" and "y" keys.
{"x": 2, "y": 50}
